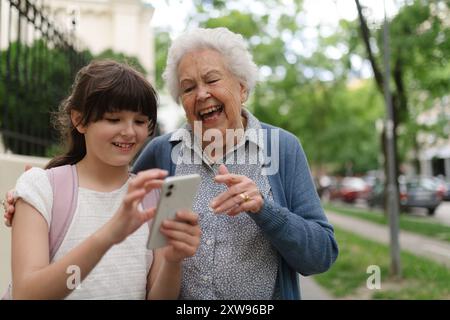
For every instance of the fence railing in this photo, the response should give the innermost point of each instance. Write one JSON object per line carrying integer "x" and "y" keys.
{"x": 37, "y": 66}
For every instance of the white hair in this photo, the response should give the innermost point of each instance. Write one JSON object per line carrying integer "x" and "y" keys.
{"x": 230, "y": 45}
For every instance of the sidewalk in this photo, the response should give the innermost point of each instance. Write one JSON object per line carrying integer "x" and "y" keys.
{"x": 432, "y": 249}
{"x": 310, "y": 290}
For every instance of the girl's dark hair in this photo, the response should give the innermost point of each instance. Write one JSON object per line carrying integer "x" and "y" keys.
{"x": 101, "y": 86}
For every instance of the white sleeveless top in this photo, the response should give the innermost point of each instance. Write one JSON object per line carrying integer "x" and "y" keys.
{"x": 122, "y": 272}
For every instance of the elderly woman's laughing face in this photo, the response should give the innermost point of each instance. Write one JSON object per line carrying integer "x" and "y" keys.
{"x": 209, "y": 92}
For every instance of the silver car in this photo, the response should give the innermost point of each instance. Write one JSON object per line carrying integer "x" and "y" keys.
{"x": 414, "y": 192}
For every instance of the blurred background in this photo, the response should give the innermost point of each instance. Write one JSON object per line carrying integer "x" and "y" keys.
{"x": 322, "y": 72}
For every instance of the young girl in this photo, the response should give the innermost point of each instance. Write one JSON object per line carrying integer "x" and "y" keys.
{"x": 105, "y": 121}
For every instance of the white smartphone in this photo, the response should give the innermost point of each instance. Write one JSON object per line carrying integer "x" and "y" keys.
{"x": 177, "y": 193}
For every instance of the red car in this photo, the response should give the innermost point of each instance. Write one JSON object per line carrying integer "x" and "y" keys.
{"x": 352, "y": 188}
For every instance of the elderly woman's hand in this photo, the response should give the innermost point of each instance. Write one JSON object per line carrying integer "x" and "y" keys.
{"x": 8, "y": 207}
{"x": 242, "y": 194}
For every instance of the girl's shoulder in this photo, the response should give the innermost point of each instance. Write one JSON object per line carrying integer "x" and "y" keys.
{"x": 34, "y": 175}
{"x": 34, "y": 187}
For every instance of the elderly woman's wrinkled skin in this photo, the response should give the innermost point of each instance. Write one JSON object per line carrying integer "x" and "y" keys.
{"x": 206, "y": 85}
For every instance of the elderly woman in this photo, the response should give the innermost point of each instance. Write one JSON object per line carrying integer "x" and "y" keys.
{"x": 259, "y": 227}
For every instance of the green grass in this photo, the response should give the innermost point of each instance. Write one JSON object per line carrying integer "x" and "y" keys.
{"x": 422, "y": 278}
{"x": 407, "y": 223}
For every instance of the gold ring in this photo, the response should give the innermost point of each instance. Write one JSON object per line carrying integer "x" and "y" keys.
{"x": 244, "y": 197}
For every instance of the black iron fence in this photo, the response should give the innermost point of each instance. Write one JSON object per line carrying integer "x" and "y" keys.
{"x": 37, "y": 67}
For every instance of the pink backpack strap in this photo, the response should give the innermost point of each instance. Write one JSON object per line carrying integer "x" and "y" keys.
{"x": 150, "y": 200}
{"x": 64, "y": 182}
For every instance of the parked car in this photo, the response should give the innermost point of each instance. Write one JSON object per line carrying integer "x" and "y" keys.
{"x": 352, "y": 188}
{"x": 326, "y": 186}
{"x": 443, "y": 187}
{"x": 414, "y": 192}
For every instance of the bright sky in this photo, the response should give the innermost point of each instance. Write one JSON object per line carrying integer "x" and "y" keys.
{"x": 173, "y": 13}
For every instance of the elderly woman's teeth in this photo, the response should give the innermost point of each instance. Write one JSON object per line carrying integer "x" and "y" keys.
{"x": 210, "y": 112}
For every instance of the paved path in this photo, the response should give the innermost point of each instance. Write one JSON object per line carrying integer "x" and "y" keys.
{"x": 310, "y": 290}
{"x": 419, "y": 245}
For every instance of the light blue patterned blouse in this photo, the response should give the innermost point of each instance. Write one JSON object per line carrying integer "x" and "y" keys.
{"x": 234, "y": 260}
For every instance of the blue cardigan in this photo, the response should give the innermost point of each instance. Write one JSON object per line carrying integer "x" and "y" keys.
{"x": 294, "y": 221}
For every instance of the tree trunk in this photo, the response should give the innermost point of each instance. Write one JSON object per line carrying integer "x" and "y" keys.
{"x": 399, "y": 101}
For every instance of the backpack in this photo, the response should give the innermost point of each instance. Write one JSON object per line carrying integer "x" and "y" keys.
{"x": 64, "y": 205}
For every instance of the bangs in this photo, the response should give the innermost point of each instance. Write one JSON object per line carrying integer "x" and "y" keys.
{"x": 123, "y": 91}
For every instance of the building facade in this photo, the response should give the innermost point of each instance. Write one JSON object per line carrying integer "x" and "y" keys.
{"x": 435, "y": 151}
{"x": 120, "y": 25}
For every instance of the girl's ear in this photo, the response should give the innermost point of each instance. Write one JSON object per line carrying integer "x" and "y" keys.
{"x": 76, "y": 117}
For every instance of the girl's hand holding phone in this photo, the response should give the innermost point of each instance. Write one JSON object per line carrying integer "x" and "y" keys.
{"x": 183, "y": 235}
{"x": 130, "y": 217}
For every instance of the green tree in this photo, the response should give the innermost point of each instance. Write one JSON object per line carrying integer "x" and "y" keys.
{"x": 34, "y": 79}
{"x": 162, "y": 42}
{"x": 307, "y": 94}
{"x": 420, "y": 67}
{"x": 123, "y": 58}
